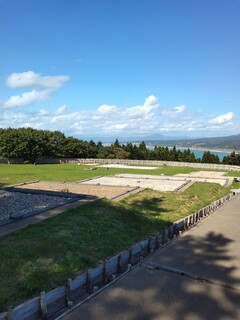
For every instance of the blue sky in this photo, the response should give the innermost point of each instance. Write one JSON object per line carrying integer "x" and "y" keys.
{"x": 121, "y": 68}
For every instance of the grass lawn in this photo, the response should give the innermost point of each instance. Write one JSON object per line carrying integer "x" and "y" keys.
{"x": 13, "y": 174}
{"x": 44, "y": 255}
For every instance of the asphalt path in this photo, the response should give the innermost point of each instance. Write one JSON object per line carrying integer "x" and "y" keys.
{"x": 194, "y": 277}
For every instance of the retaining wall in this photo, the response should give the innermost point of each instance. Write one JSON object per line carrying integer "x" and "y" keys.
{"x": 48, "y": 305}
{"x": 154, "y": 163}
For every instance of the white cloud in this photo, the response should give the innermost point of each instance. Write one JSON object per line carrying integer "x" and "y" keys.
{"x": 222, "y": 118}
{"x": 118, "y": 126}
{"x": 27, "y": 98}
{"x": 140, "y": 120}
{"x": 105, "y": 109}
{"x": 151, "y": 100}
{"x": 174, "y": 111}
{"x": 180, "y": 109}
{"x": 144, "y": 111}
{"x": 61, "y": 110}
{"x": 43, "y": 112}
{"x": 32, "y": 79}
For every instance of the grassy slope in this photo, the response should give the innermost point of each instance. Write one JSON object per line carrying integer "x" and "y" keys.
{"x": 43, "y": 256}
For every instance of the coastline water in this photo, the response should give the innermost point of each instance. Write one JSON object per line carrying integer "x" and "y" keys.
{"x": 199, "y": 152}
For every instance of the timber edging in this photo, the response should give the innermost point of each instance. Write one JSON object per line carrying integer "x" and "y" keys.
{"x": 50, "y": 305}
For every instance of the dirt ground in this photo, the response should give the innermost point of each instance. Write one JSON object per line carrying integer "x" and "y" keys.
{"x": 108, "y": 192}
{"x": 113, "y": 186}
{"x": 159, "y": 183}
{"x": 209, "y": 176}
{"x": 205, "y": 174}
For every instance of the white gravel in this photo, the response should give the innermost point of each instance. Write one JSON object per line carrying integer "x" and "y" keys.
{"x": 18, "y": 203}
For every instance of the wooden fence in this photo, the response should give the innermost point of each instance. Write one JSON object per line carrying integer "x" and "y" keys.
{"x": 211, "y": 166}
{"x": 49, "y": 305}
{"x": 128, "y": 162}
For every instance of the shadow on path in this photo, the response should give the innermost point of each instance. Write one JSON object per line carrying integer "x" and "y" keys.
{"x": 156, "y": 294}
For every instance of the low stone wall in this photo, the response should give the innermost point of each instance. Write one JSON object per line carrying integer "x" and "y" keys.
{"x": 154, "y": 163}
{"x": 129, "y": 162}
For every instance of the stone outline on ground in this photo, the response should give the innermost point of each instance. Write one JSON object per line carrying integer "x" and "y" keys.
{"x": 76, "y": 198}
{"x": 156, "y": 182}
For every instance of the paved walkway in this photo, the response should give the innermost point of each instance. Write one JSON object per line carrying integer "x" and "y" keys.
{"x": 195, "y": 277}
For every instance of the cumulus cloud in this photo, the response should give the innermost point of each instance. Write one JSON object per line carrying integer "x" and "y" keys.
{"x": 32, "y": 79}
{"x": 151, "y": 101}
{"x": 143, "y": 119}
{"x": 144, "y": 111}
{"x": 105, "y": 109}
{"x": 26, "y": 98}
{"x": 106, "y": 119}
{"x": 43, "y": 87}
{"x": 222, "y": 118}
{"x": 61, "y": 110}
{"x": 174, "y": 111}
{"x": 118, "y": 126}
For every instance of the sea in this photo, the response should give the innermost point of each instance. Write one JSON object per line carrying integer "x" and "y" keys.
{"x": 199, "y": 152}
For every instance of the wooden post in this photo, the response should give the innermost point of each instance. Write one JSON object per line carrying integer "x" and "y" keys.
{"x": 105, "y": 272}
{"x": 197, "y": 216}
{"x": 157, "y": 244}
{"x": 190, "y": 220}
{"x": 175, "y": 230}
{"x": 9, "y": 314}
{"x": 119, "y": 266}
{"x": 130, "y": 256}
{"x": 69, "y": 301}
{"x": 193, "y": 218}
{"x": 166, "y": 234}
{"x": 149, "y": 245}
{"x": 43, "y": 306}
{"x": 88, "y": 282}
{"x": 171, "y": 231}
{"x": 163, "y": 237}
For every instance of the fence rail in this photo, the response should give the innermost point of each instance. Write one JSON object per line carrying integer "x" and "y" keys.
{"x": 50, "y": 304}
{"x": 154, "y": 162}
{"x": 128, "y": 161}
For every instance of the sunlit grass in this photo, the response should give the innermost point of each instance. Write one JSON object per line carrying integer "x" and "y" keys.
{"x": 13, "y": 174}
{"x": 44, "y": 255}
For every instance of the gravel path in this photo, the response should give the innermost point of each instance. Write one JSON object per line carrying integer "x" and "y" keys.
{"x": 17, "y": 203}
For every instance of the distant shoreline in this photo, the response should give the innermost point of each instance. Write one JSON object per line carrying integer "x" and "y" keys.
{"x": 207, "y": 149}
{"x": 198, "y": 148}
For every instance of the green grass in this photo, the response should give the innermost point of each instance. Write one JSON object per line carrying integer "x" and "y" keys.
{"x": 44, "y": 255}
{"x": 13, "y": 174}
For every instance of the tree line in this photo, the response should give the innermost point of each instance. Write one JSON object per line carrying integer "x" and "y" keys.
{"x": 31, "y": 144}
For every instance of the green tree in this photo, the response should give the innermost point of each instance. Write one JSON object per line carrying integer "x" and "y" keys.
{"x": 143, "y": 151}
{"x": 232, "y": 159}
{"x": 209, "y": 157}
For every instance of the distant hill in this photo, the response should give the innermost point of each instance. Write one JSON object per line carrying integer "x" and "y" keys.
{"x": 229, "y": 143}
